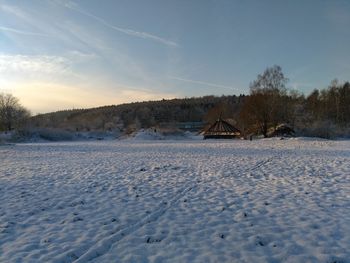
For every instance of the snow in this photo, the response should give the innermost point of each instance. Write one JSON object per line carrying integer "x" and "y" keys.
{"x": 5, "y": 136}
{"x": 152, "y": 134}
{"x": 267, "y": 200}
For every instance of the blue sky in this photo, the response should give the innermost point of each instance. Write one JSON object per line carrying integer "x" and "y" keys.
{"x": 58, "y": 54}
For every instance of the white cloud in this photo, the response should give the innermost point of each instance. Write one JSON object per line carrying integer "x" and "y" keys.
{"x": 86, "y": 42}
{"x": 21, "y": 32}
{"x": 78, "y": 55}
{"x": 41, "y": 64}
{"x": 13, "y": 10}
{"x": 204, "y": 83}
{"x": 38, "y": 23}
{"x": 144, "y": 35}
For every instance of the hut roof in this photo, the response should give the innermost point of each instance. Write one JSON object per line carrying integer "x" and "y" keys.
{"x": 220, "y": 129}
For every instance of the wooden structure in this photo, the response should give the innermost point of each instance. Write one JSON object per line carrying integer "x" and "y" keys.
{"x": 282, "y": 130}
{"x": 222, "y": 130}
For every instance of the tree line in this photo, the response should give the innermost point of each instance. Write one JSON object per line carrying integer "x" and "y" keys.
{"x": 323, "y": 113}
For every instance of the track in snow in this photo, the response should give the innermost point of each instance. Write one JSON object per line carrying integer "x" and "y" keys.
{"x": 267, "y": 201}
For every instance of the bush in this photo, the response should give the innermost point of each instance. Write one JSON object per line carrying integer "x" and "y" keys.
{"x": 321, "y": 129}
{"x": 55, "y": 135}
{"x": 44, "y": 134}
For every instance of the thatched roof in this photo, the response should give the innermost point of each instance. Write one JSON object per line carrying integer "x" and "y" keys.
{"x": 221, "y": 129}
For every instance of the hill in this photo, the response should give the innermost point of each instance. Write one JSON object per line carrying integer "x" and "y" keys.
{"x": 133, "y": 116}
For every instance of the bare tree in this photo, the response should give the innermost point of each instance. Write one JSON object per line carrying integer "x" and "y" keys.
{"x": 265, "y": 105}
{"x": 12, "y": 114}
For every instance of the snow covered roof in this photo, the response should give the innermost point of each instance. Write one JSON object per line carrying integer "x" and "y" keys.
{"x": 282, "y": 129}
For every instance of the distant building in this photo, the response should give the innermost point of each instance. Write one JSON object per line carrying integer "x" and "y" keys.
{"x": 222, "y": 130}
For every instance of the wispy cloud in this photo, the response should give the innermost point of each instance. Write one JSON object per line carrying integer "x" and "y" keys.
{"x": 12, "y": 10}
{"x": 204, "y": 83}
{"x": 39, "y": 64}
{"x": 41, "y": 24}
{"x": 130, "y": 32}
{"x": 21, "y": 32}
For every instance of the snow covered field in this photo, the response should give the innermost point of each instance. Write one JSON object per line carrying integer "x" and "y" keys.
{"x": 176, "y": 201}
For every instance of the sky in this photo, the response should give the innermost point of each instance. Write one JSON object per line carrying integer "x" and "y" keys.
{"x": 62, "y": 54}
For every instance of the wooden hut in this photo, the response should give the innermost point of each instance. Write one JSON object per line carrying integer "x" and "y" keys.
{"x": 222, "y": 130}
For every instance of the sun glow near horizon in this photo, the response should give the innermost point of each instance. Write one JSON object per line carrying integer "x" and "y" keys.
{"x": 44, "y": 97}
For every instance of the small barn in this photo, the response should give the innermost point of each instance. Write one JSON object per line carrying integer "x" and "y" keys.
{"x": 221, "y": 129}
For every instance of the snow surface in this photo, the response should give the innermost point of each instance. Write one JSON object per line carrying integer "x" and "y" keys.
{"x": 151, "y": 134}
{"x": 176, "y": 201}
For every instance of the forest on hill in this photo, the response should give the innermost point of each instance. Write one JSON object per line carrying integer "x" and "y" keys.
{"x": 133, "y": 116}
{"x": 323, "y": 113}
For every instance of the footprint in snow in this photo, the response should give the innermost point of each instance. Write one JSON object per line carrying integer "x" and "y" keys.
{"x": 151, "y": 240}
{"x": 76, "y": 219}
{"x": 259, "y": 242}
